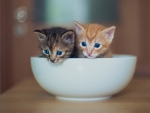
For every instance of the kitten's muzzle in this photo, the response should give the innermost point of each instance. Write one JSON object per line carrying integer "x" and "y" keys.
{"x": 53, "y": 61}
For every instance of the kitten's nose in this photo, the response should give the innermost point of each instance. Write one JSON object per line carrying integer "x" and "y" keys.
{"x": 53, "y": 61}
{"x": 89, "y": 52}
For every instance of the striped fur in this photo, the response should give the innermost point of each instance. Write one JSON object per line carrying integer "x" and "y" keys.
{"x": 56, "y": 39}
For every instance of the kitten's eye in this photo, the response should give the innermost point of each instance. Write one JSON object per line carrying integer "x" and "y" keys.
{"x": 46, "y": 51}
{"x": 59, "y": 52}
{"x": 83, "y": 44}
{"x": 97, "y": 45}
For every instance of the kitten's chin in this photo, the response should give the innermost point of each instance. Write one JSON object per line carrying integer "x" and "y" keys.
{"x": 54, "y": 61}
{"x": 87, "y": 56}
{"x": 57, "y": 61}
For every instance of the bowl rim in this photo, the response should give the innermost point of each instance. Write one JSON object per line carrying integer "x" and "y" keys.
{"x": 115, "y": 56}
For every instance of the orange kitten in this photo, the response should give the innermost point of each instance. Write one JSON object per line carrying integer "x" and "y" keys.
{"x": 93, "y": 40}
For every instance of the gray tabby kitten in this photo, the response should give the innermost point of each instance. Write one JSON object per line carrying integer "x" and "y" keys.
{"x": 56, "y": 43}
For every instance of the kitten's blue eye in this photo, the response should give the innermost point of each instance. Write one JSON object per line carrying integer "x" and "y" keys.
{"x": 59, "y": 52}
{"x": 46, "y": 51}
{"x": 97, "y": 45}
{"x": 83, "y": 44}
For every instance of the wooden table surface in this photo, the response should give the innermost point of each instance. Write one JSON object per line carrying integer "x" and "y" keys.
{"x": 28, "y": 97}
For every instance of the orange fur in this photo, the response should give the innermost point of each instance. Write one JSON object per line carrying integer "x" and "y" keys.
{"x": 92, "y": 34}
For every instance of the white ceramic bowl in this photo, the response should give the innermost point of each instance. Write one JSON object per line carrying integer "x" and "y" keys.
{"x": 83, "y": 78}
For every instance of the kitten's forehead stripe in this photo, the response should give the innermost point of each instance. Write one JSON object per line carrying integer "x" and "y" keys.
{"x": 92, "y": 31}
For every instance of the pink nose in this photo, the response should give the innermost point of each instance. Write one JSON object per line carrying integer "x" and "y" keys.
{"x": 89, "y": 52}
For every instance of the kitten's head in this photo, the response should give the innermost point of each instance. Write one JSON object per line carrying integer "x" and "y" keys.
{"x": 56, "y": 43}
{"x": 93, "y": 39}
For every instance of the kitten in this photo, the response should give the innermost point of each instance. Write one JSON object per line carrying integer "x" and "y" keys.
{"x": 93, "y": 40}
{"x": 56, "y": 43}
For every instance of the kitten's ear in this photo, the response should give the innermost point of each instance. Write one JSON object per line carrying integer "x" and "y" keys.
{"x": 109, "y": 33}
{"x": 69, "y": 37}
{"x": 79, "y": 28}
{"x": 40, "y": 35}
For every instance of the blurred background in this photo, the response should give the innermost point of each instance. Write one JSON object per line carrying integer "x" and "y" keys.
{"x": 19, "y": 18}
